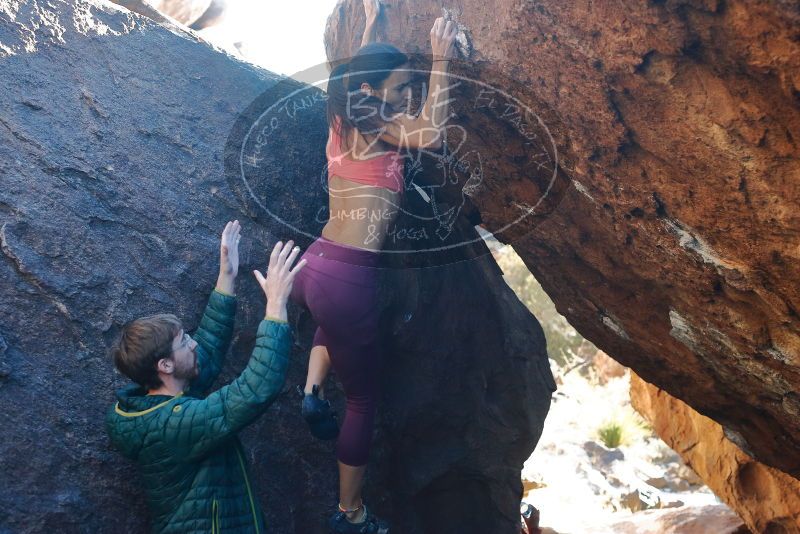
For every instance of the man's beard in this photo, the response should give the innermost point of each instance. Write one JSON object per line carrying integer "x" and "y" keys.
{"x": 189, "y": 372}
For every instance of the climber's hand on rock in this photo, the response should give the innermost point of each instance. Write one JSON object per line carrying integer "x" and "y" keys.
{"x": 372, "y": 9}
{"x": 229, "y": 257}
{"x": 443, "y": 38}
{"x": 277, "y": 285}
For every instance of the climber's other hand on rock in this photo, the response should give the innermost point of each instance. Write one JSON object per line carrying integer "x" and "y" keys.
{"x": 372, "y": 8}
{"x": 443, "y": 38}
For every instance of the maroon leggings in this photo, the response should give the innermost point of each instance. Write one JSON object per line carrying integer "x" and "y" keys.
{"x": 338, "y": 285}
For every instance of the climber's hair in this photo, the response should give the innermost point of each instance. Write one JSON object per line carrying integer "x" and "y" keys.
{"x": 141, "y": 343}
{"x": 373, "y": 63}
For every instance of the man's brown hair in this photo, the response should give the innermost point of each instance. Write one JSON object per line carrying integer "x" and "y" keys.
{"x": 141, "y": 343}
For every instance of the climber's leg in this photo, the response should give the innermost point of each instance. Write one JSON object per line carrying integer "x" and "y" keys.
{"x": 351, "y": 481}
{"x": 319, "y": 363}
{"x": 306, "y": 283}
{"x": 348, "y": 317}
{"x": 358, "y": 368}
{"x": 315, "y": 409}
{"x": 306, "y": 292}
{"x": 342, "y": 294}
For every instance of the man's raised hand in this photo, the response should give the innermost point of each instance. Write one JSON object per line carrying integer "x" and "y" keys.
{"x": 229, "y": 249}
{"x": 277, "y": 285}
{"x": 229, "y": 257}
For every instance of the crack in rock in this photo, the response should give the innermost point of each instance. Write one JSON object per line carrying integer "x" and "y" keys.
{"x": 5, "y": 369}
{"x": 27, "y": 275}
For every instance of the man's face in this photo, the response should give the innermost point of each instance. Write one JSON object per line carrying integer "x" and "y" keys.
{"x": 184, "y": 356}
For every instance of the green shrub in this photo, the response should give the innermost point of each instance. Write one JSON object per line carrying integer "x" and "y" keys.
{"x": 611, "y": 434}
{"x": 564, "y": 344}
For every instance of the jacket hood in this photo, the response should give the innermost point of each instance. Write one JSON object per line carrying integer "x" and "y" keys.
{"x": 127, "y": 419}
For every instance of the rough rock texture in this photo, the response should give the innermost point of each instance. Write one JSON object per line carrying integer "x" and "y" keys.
{"x": 767, "y": 499}
{"x": 115, "y": 135}
{"x": 670, "y": 237}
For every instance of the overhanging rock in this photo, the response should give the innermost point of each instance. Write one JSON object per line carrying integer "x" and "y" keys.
{"x": 673, "y": 244}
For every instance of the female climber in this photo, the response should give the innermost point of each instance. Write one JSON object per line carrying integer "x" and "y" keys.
{"x": 368, "y": 100}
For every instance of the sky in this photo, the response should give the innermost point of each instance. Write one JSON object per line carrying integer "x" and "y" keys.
{"x": 283, "y": 37}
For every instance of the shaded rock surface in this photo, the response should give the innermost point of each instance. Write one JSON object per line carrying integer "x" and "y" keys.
{"x": 767, "y": 499}
{"x": 114, "y": 141}
{"x": 670, "y": 238}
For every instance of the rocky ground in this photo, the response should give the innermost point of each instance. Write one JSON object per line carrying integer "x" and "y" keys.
{"x": 579, "y": 484}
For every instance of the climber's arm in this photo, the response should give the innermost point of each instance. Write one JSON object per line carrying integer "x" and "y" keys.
{"x": 426, "y": 129}
{"x": 372, "y": 8}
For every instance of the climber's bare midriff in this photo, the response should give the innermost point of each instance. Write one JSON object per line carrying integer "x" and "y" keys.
{"x": 360, "y": 215}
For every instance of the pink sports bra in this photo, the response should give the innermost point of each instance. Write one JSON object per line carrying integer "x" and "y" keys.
{"x": 385, "y": 170}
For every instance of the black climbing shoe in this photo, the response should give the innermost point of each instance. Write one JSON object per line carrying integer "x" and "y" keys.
{"x": 371, "y": 525}
{"x": 318, "y": 414}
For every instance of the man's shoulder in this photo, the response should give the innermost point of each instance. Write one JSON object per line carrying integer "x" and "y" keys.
{"x": 140, "y": 411}
{"x": 152, "y": 427}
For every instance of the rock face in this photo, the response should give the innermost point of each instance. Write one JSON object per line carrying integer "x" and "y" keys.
{"x": 670, "y": 236}
{"x": 767, "y": 499}
{"x": 119, "y": 148}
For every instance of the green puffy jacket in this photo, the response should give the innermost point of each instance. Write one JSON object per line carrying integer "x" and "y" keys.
{"x": 190, "y": 459}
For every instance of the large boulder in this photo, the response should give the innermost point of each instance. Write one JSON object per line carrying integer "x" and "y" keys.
{"x": 120, "y": 163}
{"x": 672, "y": 243}
{"x": 768, "y": 500}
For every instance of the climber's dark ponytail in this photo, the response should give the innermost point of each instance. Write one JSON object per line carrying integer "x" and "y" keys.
{"x": 337, "y": 93}
{"x": 373, "y": 63}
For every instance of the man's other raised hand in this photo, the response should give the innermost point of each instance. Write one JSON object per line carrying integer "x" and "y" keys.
{"x": 277, "y": 284}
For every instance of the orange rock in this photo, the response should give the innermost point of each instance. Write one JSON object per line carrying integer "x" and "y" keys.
{"x": 768, "y": 500}
{"x": 606, "y": 368}
{"x": 669, "y": 237}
